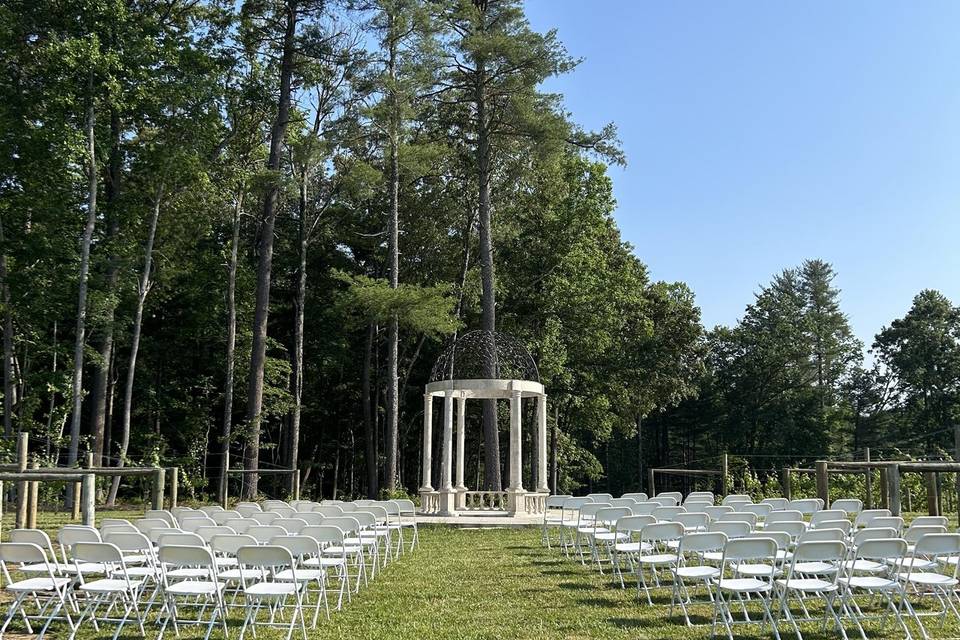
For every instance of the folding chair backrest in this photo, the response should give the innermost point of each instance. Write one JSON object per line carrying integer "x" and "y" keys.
{"x": 23, "y": 553}
{"x": 211, "y": 509}
{"x": 555, "y": 502}
{"x": 665, "y": 501}
{"x": 782, "y": 538}
{"x": 270, "y": 504}
{"x": 634, "y": 524}
{"x": 843, "y": 525}
{"x": 760, "y": 510}
{"x": 310, "y": 517}
{"x": 600, "y": 497}
{"x": 130, "y": 542}
{"x": 265, "y": 557}
{"x": 329, "y": 510}
{"x": 187, "y": 556}
{"x": 864, "y": 518}
{"x": 692, "y": 521}
{"x": 392, "y": 509}
{"x": 638, "y": 496}
{"x": 938, "y": 545}
{"x": 34, "y": 536}
{"x": 667, "y": 513}
{"x": 246, "y": 509}
{"x": 740, "y": 549}
{"x": 851, "y": 506}
{"x": 240, "y": 525}
{"x": 709, "y": 495}
{"x": 826, "y": 514}
{"x": 676, "y": 495}
{"x": 732, "y": 528}
{"x": 285, "y": 511}
{"x": 787, "y": 515}
{"x": 589, "y": 511}
{"x": 160, "y": 514}
{"x": 227, "y": 544}
{"x": 645, "y": 508}
{"x": 175, "y": 538}
{"x": 207, "y": 533}
{"x": 894, "y": 522}
{"x": 820, "y": 551}
{"x": 264, "y": 533}
{"x": 740, "y": 516}
{"x": 609, "y": 516}
{"x": 889, "y": 549}
{"x": 697, "y": 503}
{"x": 736, "y": 498}
{"x": 715, "y": 511}
{"x": 820, "y": 535}
{"x": 914, "y": 533}
{"x": 292, "y": 525}
{"x": 348, "y": 507}
{"x": 794, "y": 528}
{"x": 662, "y": 532}
{"x": 222, "y": 517}
{"x": 176, "y": 512}
{"x": 348, "y": 524}
{"x": 622, "y": 502}
{"x": 145, "y": 525}
{"x": 324, "y": 534}
{"x": 115, "y": 522}
{"x": 703, "y": 542}
{"x": 873, "y": 533}
{"x": 300, "y": 547}
{"x": 923, "y": 521}
{"x": 806, "y": 506}
{"x": 778, "y": 504}
{"x": 71, "y": 535}
{"x": 116, "y": 528}
{"x": 192, "y": 524}
{"x": 264, "y": 517}
{"x": 191, "y": 515}
{"x": 104, "y": 552}
{"x": 378, "y": 511}
{"x": 407, "y": 508}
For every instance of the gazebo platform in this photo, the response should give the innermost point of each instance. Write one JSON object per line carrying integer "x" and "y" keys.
{"x": 483, "y": 520}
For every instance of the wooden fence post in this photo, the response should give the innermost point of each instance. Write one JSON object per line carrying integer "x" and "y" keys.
{"x": 34, "y": 498}
{"x": 174, "y": 486}
{"x": 893, "y": 488}
{"x": 785, "y": 487}
{"x": 157, "y": 491}
{"x": 930, "y": 480}
{"x": 724, "y": 473}
{"x": 868, "y": 481}
{"x": 296, "y": 485}
{"x": 823, "y": 483}
{"x": 884, "y": 489}
{"x": 88, "y": 495}
{"x": 22, "y": 487}
{"x": 650, "y": 483}
{"x": 956, "y": 457}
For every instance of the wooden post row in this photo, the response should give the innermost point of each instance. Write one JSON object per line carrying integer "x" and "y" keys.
{"x": 88, "y": 498}
{"x": 785, "y": 483}
{"x": 933, "y": 501}
{"x": 174, "y": 485}
{"x": 893, "y": 488}
{"x": 157, "y": 491}
{"x": 34, "y": 498}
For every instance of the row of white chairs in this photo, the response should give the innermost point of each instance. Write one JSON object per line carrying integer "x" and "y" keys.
{"x": 182, "y": 560}
{"x": 787, "y": 561}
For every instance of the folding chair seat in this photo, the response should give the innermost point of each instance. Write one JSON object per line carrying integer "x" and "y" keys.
{"x": 203, "y": 591}
{"x": 302, "y": 549}
{"x": 408, "y": 519}
{"x": 801, "y": 585}
{"x": 850, "y": 506}
{"x": 691, "y": 567}
{"x": 660, "y": 556}
{"x": 47, "y": 591}
{"x": 759, "y": 589}
{"x": 117, "y": 590}
{"x": 270, "y": 590}
{"x": 42, "y": 540}
{"x": 874, "y": 552}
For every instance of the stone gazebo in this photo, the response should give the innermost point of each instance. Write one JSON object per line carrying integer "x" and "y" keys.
{"x": 458, "y": 376}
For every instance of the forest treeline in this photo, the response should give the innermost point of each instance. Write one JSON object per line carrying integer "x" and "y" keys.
{"x": 241, "y": 233}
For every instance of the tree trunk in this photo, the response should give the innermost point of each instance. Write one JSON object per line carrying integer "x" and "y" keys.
{"x": 7, "y": 340}
{"x": 53, "y": 393}
{"x": 393, "y": 404}
{"x": 258, "y": 355}
{"x": 80, "y": 334}
{"x": 554, "y": 448}
{"x": 142, "y": 291}
{"x": 491, "y": 433}
{"x": 370, "y": 433}
{"x": 98, "y": 398}
{"x": 231, "y": 348}
{"x": 299, "y": 306}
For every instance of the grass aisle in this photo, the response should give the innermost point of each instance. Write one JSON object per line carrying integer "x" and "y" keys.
{"x": 501, "y": 584}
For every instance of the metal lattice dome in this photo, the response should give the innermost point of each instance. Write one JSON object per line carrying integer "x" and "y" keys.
{"x": 478, "y": 355}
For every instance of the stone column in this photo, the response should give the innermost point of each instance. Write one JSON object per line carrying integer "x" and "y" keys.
{"x": 542, "y": 445}
{"x": 427, "y": 441}
{"x": 516, "y": 453}
{"x": 461, "y": 436}
{"x": 446, "y": 450}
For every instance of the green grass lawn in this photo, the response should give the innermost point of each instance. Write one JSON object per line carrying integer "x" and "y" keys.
{"x": 500, "y": 583}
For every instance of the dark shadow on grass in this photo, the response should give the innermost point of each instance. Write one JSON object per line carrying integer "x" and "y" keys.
{"x": 627, "y": 623}
{"x": 576, "y": 586}
{"x": 599, "y": 602}
{"x": 558, "y": 572}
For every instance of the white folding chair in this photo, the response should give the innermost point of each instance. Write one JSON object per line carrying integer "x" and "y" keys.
{"x": 759, "y": 589}
{"x": 408, "y": 519}
{"x": 160, "y": 514}
{"x": 247, "y": 509}
{"x": 800, "y": 583}
{"x": 146, "y": 525}
{"x": 660, "y": 556}
{"x": 271, "y": 591}
{"x": 645, "y": 508}
{"x": 71, "y": 535}
{"x": 117, "y": 590}
{"x": 691, "y": 567}
{"x": 826, "y": 514}
{"x": 600, "y": 497}
{"x": 630, "y": 546}
{"x": 938, "y": 549}
{"x": 47, "y": 591}
{"x": 329, "y": 538}
{"x": 665, "y": 500}
{"x": 240, "y": 525}
{"x": 864, "y": 518}
{"x": 784, "y": 515}
{"x": 202, "y": 590}
{"x": 605, "y": 533}
{"x": 352, "y": 547}
{"x": 306, "y": 553}
{"x": 892, "y": 522}
{"x": 850, "y": 506}
{"x": 778, "y": 504}
{"x": 874, "y": 552}
{"x": 393, "y": 524}
{"x": 676, "y": 495}
{"x": 192, "y": 524}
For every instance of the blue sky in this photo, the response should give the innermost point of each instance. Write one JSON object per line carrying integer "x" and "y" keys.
{"x": 759, "y": 134}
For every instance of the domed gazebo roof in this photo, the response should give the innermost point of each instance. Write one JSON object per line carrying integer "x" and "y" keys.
{"x": 467, "y": 358}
